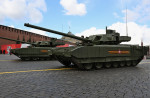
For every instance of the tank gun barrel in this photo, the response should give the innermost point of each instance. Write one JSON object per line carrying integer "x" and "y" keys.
{"x": 15, "y": 40}
{"x": 56, "y": 32}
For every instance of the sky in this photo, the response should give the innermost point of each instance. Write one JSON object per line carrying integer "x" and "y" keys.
{"x": 81, "y": 17}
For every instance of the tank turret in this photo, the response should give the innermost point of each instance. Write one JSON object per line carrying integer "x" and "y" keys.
{"x": 110, "y": 38}
{"x": 51, "y": 43}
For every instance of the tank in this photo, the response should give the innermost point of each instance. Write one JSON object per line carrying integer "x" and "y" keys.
{"x": 97, "y": 51}
{"x": 40, "y": 50}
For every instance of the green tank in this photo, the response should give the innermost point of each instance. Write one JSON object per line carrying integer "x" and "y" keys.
{"x": 97, "y": 51}
{"x": 40, "y": 50}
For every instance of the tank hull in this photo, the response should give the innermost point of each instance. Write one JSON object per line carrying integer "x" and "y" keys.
{"x": 113, "y": 55}
{"x": 33, "y": 53}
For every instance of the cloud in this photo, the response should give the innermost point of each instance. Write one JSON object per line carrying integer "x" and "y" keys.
{"x": 137, "y": 32}
{"x": 11, "y": 26}
{"x": 22, "y": 9}
{"x": 91, "y": 31}
{"x": 38, "y": 32}
{"x": 139, "y": 12}
{"x": 116, "y": 15}
{"x": 72, "y": 7}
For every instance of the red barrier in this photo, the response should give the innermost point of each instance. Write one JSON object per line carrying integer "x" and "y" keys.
{"x": 66, "y": 45}
{"x": 6, "y": 48}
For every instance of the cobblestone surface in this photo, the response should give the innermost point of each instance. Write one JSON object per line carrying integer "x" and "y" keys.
{"x": 129, "y": 82}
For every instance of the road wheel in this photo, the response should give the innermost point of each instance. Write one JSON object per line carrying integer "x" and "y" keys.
{"x": 122, "y": 64}
{"x": 98, "y": 65}
{"x": 108, "y": 65}
{"x": 128, "y": 63}
{"x": 88, "y": 66}
{"x": 80, "y": 66}
{"x": 115, "y": 64}
{"x": 42, "y": 59}
{"x": 34, "y": 59}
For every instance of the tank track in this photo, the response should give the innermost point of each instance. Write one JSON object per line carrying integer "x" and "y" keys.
{"x": 111, "y": 64}
{"x": 98, "y": 65}
{"x": 91, "y": 66}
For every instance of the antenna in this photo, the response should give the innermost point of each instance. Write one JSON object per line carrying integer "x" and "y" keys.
{"x": 141, "y": 42}
{"x": 126, "y": 22}
{"x": 106, "y": 29}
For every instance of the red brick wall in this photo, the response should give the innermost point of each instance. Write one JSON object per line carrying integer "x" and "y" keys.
{"x": 13, "y": 33}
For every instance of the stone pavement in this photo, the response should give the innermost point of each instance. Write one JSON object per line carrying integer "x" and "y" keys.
{"x": 49, "y": 79}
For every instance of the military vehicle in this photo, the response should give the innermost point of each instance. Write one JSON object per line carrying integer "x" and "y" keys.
{"x": 40, "y": 50}
{"x": 97, "y": 51}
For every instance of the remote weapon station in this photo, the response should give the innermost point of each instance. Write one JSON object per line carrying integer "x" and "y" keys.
{"x": 40, "y": 50}
{"x": 97, "y": 51}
